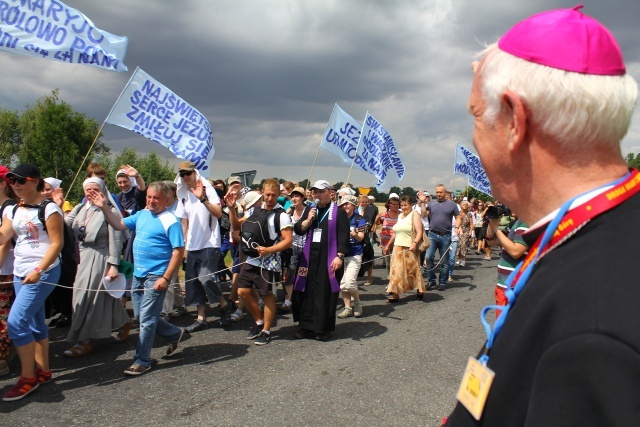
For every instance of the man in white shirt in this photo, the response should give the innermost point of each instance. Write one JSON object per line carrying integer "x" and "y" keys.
{"x": 199, "y": 210}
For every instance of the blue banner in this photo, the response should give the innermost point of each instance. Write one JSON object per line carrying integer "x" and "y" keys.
{"x": 51, "y": 30}
{"x": 469, "y": 165}
{"x": 150, "y": 109}
{"x": 341, "y": 135}
{"x": 377, "y": 154}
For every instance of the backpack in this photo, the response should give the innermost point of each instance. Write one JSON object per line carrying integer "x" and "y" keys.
{"x": 70, "y": 253}
{"x": 254, "y": 231}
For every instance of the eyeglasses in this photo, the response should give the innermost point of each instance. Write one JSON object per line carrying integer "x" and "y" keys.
{"x": 82, "y": 233}
{"x": 20, "y": 180}
{"x": 185, "y": 173}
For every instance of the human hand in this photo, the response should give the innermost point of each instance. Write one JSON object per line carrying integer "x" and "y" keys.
{"x": 57, "y": 196}
{"x": 112, "y": 272}
{"x": 231, "y": 199}
{"x": 161, "y": 284}
{"x": 312, "y": 214}
{"x": 31, "y": 278}
{"x": 96, "y": 198}
{"x": 131, "y": 171}
{"x": 336, "y": 264}
{"x": 199, "y": 190}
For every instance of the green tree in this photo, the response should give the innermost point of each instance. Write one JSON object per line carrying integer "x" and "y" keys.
{"x": 633, "y": 160}
{"x": 10, "y": 137}
{"x": 56, "y": 139}
{"x": 410, "y": 191}
{"x": 396, "y": 190}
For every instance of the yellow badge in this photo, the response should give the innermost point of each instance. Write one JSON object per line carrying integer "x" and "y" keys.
{"x": 475, "y": 386}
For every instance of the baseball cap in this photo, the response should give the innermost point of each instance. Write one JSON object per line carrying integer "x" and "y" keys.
{"x": 233, "y": 179}
{"x": 3, "y": 173}
{"x": 187, "y": 166}
{"x": 565, "y": 39}
{"x": 394, "y": 196}
{"x": 25, "y": 170}
{"x": 321, "y": 184}
{"x": 348, "y": 199}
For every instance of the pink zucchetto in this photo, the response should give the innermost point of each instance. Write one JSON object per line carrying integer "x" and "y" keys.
{"x": 565, "y": 39}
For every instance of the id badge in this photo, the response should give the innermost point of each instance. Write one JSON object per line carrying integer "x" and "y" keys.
{"x": 317, "y": 235}
{"x": 475, "y": 386}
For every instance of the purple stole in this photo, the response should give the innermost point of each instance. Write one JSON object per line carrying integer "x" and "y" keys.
{"x": 303, "y": 262}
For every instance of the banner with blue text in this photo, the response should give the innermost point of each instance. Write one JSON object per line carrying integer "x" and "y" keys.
{"x": 341, "y": 136}
{"x": 377, "y": 154}
{"x": 148, "y": 108}
{"x": 469, "y": 165}
{"x": 51, "y": 30}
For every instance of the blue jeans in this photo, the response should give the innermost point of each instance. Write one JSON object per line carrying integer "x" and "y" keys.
{"x": 26, "y": 318}
{"x": 147, "y": 305}
{"x": 452, "y": 256}
{"x": 441, "y": 243}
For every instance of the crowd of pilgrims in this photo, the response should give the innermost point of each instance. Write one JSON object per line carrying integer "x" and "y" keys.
{"x": 104, "y": 254}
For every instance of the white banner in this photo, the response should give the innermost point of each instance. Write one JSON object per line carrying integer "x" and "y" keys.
{"x": 148, "y": 108}
{"x": 52, "y": 30}
{"x": 341, "y": 136}
{"x": 469, "y": 165}
{"x": 377, "y": 154}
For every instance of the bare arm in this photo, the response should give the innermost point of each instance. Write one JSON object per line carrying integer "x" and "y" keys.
{"x": 286, "y": 236}
{"x": 176, "y": 259}
{"x": 6, "y": 231}
{"x": 201, "y": 193}
{"x": 516, "y": 250}
{"x": 54, "y": 230}
{"x": 185, "y": 229}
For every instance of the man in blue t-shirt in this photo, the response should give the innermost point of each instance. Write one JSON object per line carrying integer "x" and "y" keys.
{"x": 158, "y": 249}
{"x": 441, "y": 213}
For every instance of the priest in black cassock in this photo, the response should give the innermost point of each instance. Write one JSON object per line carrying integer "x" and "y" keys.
{"x": 320, "y": 267}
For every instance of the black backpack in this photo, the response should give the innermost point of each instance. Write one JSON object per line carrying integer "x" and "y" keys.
{"x": 70, "y": 253}
{"x": 254, "y": 231}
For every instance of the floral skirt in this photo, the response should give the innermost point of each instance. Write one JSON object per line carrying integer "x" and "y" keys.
{"x": 405, "y": 271}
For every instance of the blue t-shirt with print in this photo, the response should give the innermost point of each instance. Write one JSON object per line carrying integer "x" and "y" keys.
{"x": 355, "y": 247}
{"x": 156, "y": 238}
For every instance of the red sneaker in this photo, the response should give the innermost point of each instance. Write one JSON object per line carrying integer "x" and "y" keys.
{"x": 23, "y": 387}
{"x": 43, "y": 376}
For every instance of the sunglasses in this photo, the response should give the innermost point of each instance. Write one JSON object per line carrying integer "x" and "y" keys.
{"x": 185, "y": 173}
{"x": 20, "y": 180}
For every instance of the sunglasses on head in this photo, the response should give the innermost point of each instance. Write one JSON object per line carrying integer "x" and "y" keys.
{"x": 20, "y": 180}
{"x": 185, "y": 173}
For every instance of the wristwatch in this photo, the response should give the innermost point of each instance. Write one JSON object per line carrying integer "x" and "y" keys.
{"x": 340, "y": 256}
{"x": 204, "y": 199}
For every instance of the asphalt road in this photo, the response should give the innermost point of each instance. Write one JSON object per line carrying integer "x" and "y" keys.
{"x": 398, "y": 365}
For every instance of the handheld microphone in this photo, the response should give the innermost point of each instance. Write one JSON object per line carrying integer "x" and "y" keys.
{"x": 316, "y": 202}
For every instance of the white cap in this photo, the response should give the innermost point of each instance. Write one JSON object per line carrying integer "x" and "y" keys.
{"x": 321, "y": 184}
{"x": 394, "y": 195}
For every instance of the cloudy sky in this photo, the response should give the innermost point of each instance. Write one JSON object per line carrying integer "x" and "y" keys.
{"x": 266, "y": 73}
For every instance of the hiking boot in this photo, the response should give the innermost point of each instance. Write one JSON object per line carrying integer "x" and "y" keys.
{"x": 197, "y": 326}
{"x": 255, "y": 331}
{"x": 263, "y": 338}
{"x": 23, "y": 387}
{"x": 357, "y": 308}
{"x": 346, "y": 312}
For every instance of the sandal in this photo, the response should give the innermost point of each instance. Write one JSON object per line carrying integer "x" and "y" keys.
{"x": 123, "y": 333}
{"x": 419, "y": 296}
{"x": 392, "y": 300}
{"x": 78, "y": 350}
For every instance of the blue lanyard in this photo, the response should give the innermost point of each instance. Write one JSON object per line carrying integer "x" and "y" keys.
{"x": 512, "y": 294}
{"x": 324, "y": 216}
